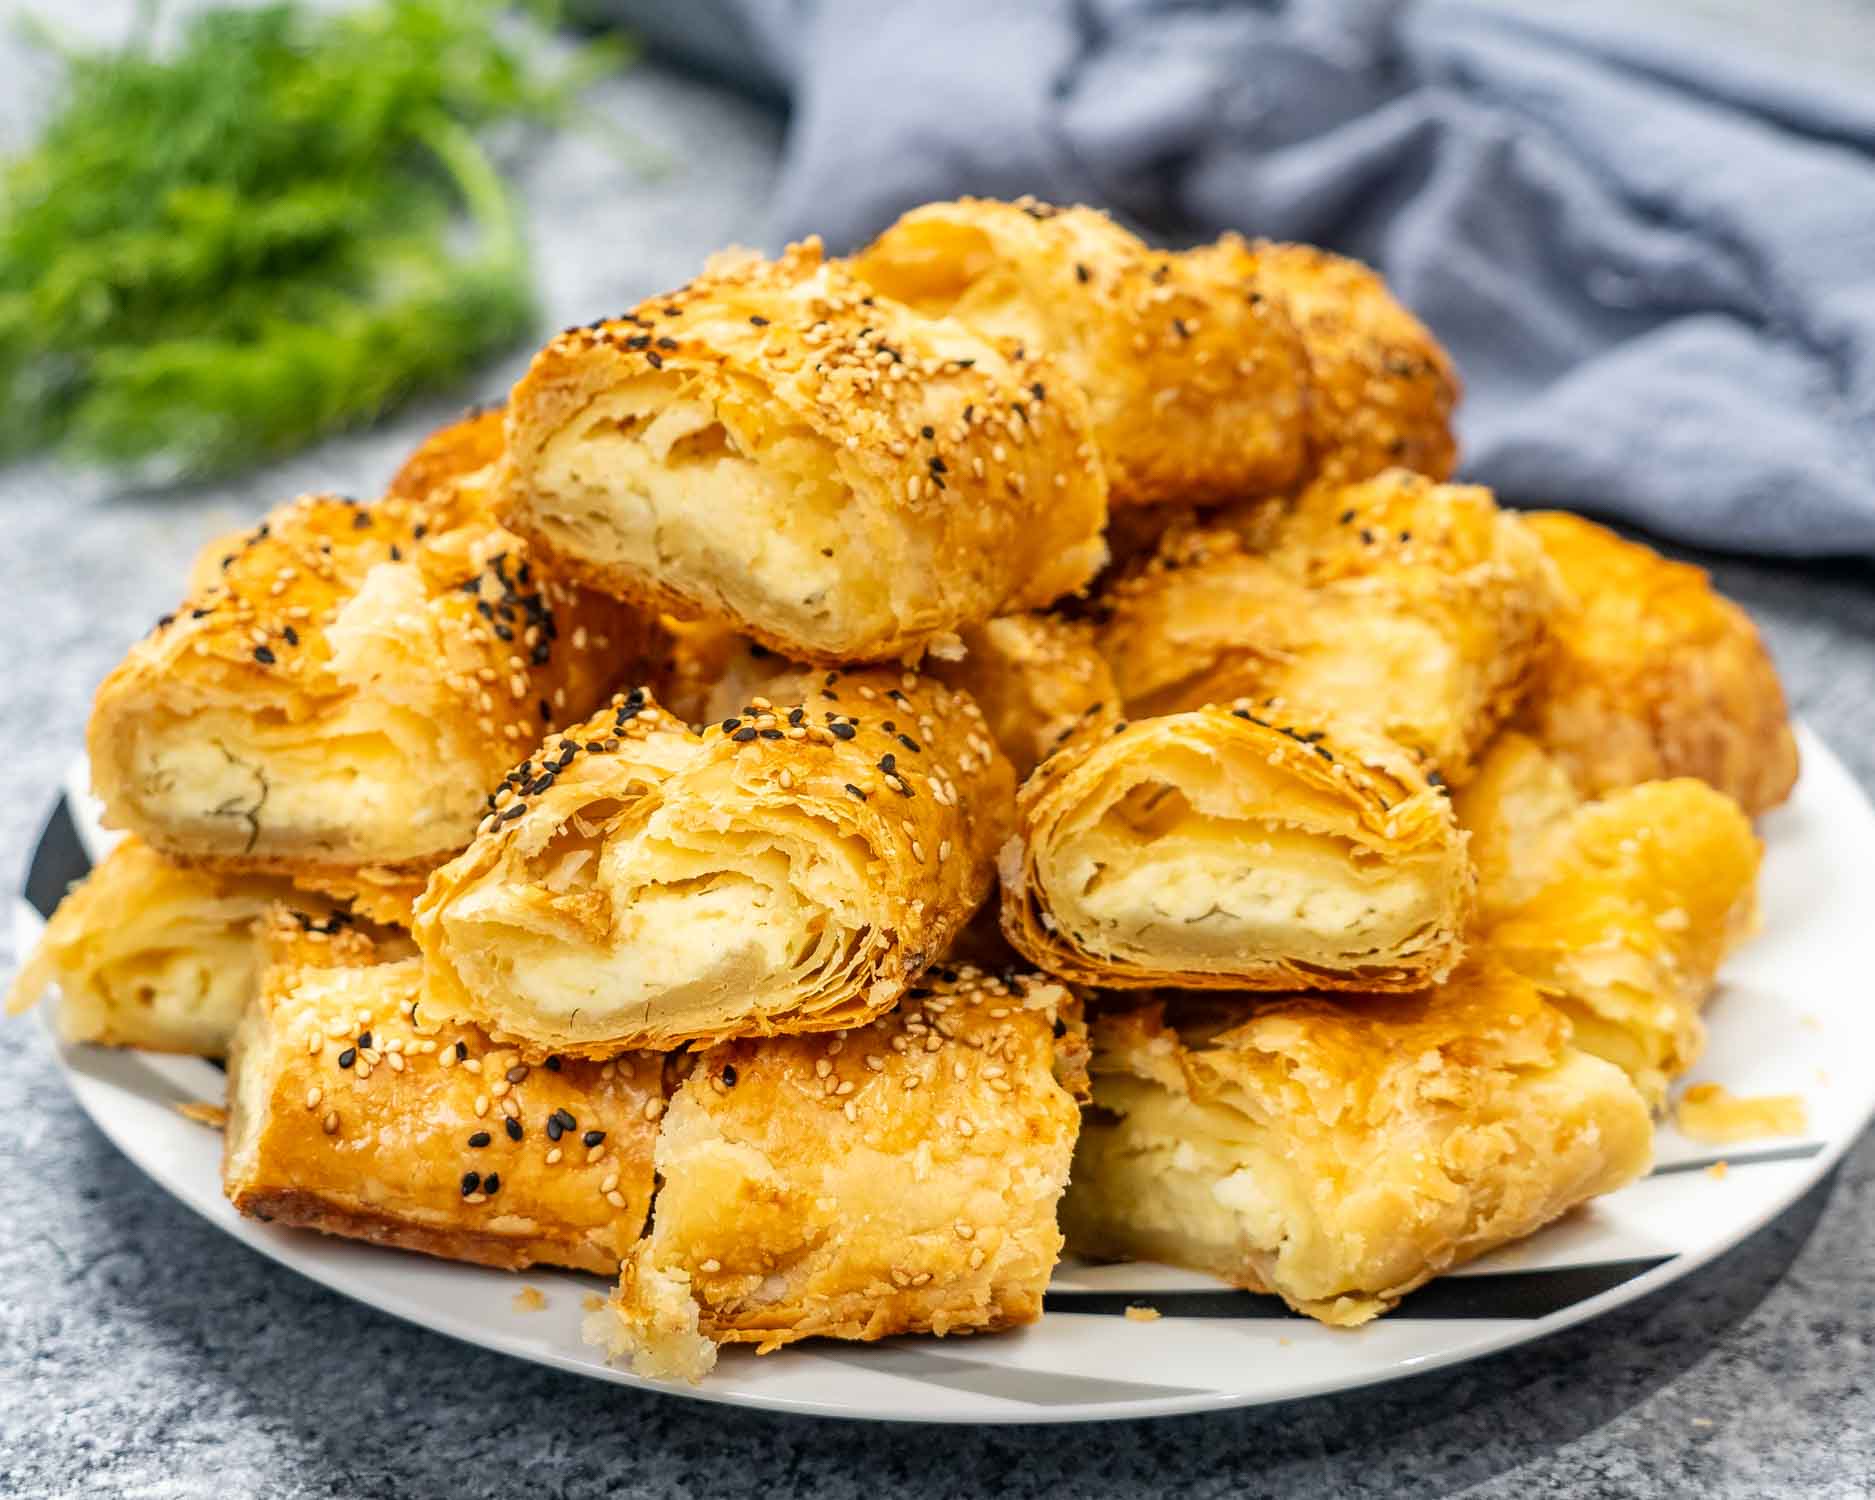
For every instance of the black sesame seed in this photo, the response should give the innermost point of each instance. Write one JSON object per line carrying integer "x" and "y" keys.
{"x": 1346, "y": 516}
{"x": 462, "y": 1051}
{"x": 554, "y": 1128}
{"x": 844, "y": 731}
{"x": 856, "y": 791}
{"x": 364, "y": 1039}
{"x": 729, "y": 1075}
{"x": 730, "y": 725}
{"x": 348, "y": 1057}
{"x": 396, "y": 553}
{"x": 492, "y": 1184}
{"x": 503, "y": 631}
{"x": 470, "y": 1182}
{"x": 480, "y": 1139}
{"x": 517, "y": 1073}
{"x": 888, "y": 762}
{"x": 758, "y": 320}
{"x": 1081, "y": 273}
{"x": 514, "y": 1128}
{"x": 553, "y": 1065}
{"x": 361, "y": 520}
{"x": 592, "y": 1137}
{"x": 927, "y": 432}
{"x": 292, "y": 635}
{"x": 657, "y": 360}
{"x": 567, "y": 1122}
{"x": 909, "y": 743}
{"x": 773, "y": 734}
{"x": 264, "y": 656}
{"x": 795, "y": 715}
{"x": 743, "y": 735}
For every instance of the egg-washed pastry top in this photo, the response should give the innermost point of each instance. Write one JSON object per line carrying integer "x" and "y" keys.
{"x": 1197, "y": 382}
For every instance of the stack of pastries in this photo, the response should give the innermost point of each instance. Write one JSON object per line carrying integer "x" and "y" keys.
{"x": 861, "y": 774}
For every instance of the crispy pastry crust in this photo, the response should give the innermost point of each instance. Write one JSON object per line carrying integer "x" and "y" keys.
{"x": 1519, "y": 810}
{"x": 792, "y": 868}
{"x": 1341, "y": 1153}
{"x": 1383, "y": 390}
{"x": 150, "y": 954}
{"x": 1197, "y": 381}
{"x": 1648, "y": 890}
{"x": 900, "y": 1177}
{"x": 1418, "y": 609}
{"x": 775, "y": 447}
{"x": 353, "y": 684}
{"x": 379, "y": 1148}
{"x": 1035, "y": 676}
{"x": 1238, "y": 816}
{"x": 1655, "y": 674}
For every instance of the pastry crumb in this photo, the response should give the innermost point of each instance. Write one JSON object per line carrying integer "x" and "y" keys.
{"x": 1708, "y": 1114}
{"x": 211, "y": 1115}
{"x": 1718, "y": 1170}
{"x": 529, "y": 1299}
{"x": 1139, "y": 1313}
{"x": 592, "y": 1302}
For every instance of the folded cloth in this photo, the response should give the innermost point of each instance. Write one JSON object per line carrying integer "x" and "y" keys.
{"x": 1651, "y": 262}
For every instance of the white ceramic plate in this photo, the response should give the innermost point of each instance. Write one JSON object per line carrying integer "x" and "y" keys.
{"x": 1793, "y": 1016}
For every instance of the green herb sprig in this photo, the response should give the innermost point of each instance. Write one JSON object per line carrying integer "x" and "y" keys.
{"x": 282, "y": 228}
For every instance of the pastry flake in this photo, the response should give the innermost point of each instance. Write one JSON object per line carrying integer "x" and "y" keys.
{"x": 775, "y": 447}
{"x": 1341, "y": 1152}
{"x": 791, "y": 868}
{"x": 898, "y": 1177}
{"x": 1035, "y": 676}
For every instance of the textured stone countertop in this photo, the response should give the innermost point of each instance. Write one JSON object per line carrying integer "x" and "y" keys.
{"x": 143, "y": 1354}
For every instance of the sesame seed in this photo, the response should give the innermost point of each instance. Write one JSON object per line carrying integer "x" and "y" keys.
{"x": 480, "y": 1138}
{"x": 330, "y": 1124}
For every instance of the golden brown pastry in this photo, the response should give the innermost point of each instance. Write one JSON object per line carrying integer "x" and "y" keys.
{"x": 1034, "y": 676}
{"x": 1519, "y": 810}
{"x": 1340, "y": 1153}
{"x": 352, "y": 687}
{"x": 775, "y": 447}
{"x": 1648, "y": 892}
{"x": 792, "y": 868}
{"x": 1382, "y": 390}
{"x": 1197, "y": 382}
{"x": 900, "y": 1177}
{"x": 147, "y": 953}
{"x": 1655, "y": 674}
{"x": 1418, "y": 609}
{"x": 348, "y": 1117}
{"x": 1223, "y": 849}
{"x": 447, "y": 454}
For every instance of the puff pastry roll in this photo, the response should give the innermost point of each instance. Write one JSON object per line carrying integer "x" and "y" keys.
{"x": 1035, "y": 677}
{"x": 1418, "y": 609}
{"x": 1340, "y": 1154}
{"x": 1382, "y": 390}
{"x": 792, "y": 868}
{"x": 775, "y": 447}
{"x": 1197, "y": 381}
{"x": 1652, "y": 888}
{"x": 351, "y": 688}
{"x": 900, "y": 1177}
{"x": 1655, "y": 674}
{"x": 151, "y": 954}
{"x": 347, "y": 1116}
{"x": 1221, "y": 849}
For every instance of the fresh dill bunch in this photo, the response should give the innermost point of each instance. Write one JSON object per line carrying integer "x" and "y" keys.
{"x": 215, "y": 256}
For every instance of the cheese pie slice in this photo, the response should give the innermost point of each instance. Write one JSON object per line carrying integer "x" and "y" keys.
{"x": 794, "y": 867}
{"x": 898, "y": 1177}
{"x": 778, "y": 448}
{"x": 350, "y": 687}
{"x": 350, "y": 1114}
{"x": 1222, "y": 849}
{"x": 1340, "y": 1152}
